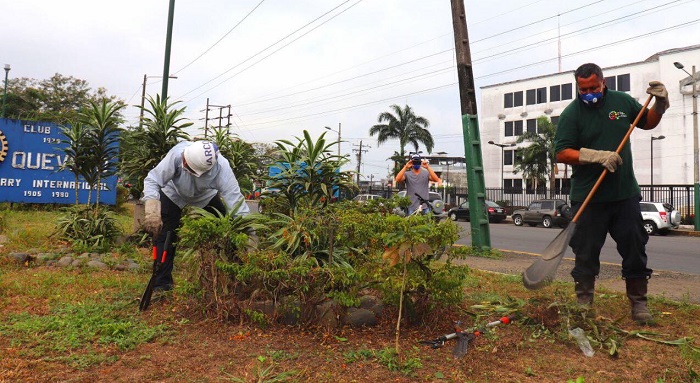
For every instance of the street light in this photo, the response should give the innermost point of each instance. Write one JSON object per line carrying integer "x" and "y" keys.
{"x": 696, "y": 158}
{"x": 652, "y": 164}
{"x": 337, "y": 131}
{"x": 143, "y": 95}
{"x": 502, "y": 160}
{"x": 4, "y": 94}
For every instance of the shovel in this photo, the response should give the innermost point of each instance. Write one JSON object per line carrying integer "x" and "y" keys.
{"x": 544, "y": 269}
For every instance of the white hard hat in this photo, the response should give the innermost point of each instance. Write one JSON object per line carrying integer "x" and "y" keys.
{"x": 201, "y": 156}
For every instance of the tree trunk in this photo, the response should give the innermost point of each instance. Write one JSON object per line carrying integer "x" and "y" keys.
{"x": 77, "y": 188}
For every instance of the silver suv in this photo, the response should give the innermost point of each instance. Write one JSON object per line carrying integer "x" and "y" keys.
{"x": 659, "y": 218}
{"x": 548, "y": 212}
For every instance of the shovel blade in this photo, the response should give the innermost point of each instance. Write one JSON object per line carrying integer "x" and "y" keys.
{"x": 543, "y": 271}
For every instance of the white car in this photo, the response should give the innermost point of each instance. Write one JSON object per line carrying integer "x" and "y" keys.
{"x": 659, "y": 218}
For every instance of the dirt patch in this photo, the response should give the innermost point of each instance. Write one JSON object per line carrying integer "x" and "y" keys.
{"x": 197, "y": 349}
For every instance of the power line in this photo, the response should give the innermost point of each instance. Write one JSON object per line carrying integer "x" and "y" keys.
{"x": 329, "y": 99}
{"x": 270, "y": 46}
{"x": 510, "y": 51}
{"x": 572, "y": 33}
{"x": 483, "y": 76}
{"x": 594, "y": 48}
{"x": 219, "y": 40}
{"x": 535, "y": 22}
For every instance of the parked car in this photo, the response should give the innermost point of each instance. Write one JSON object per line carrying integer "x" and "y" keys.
{"x": 659, "y": 218}
{"x": 496, "y": 212}
{"x": 548, "y": 212}
{"x": 365, "y": 197}
{"x": 433, "y": 197}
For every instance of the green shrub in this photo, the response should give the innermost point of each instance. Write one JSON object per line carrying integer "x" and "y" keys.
{"x": 88, "y": 228}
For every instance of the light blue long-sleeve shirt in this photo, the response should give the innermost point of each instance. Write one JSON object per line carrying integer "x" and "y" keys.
{"x": 183, "y": 188}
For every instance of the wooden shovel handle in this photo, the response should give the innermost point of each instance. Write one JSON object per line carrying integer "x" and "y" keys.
{"x": 619, "y": 149}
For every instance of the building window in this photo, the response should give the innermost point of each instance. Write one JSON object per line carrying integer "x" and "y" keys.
{"x": 530, "y": 96}
{"x": 532, "y": 125}
{"x": 508, "y": 100}
{"x": 567, "y": 91}
{"x": 508, "y": 157}
{"x": 620, "y": 83}
{"x": 555, "y": 120}
{"x": 513, "y": 185}
{"x": 623, "y": 82}
{"x": 541, "y": 95}
{"x": 518, "y": 127}
{"x": 555, "y": 93}
{"x": 518, "y": 98}
{"x": 509, "y": 128}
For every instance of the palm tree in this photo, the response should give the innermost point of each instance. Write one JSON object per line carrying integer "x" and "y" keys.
{"x": 404, "y": 126}
{"x": 103, "y": 120}
{"x": 143, "y": 148}
{"x": 538, "y": 160}
{"x": 76, "y": 149}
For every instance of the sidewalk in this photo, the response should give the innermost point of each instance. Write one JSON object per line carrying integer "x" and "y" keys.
{"x": 685, "y": 230}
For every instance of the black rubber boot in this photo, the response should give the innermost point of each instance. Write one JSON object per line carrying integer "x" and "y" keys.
{"x": 637, "y": 294}
{"x": 584, "y": 290}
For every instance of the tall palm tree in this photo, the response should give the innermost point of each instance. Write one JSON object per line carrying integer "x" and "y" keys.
{"x": 103, "y": 119}
{"x": 538, "y": 160}
{"x": 76, "y": 149}
{"x": 404, "y": 126}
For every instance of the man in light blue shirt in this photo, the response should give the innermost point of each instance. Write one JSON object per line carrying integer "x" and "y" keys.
{"x": 191, "y": 174}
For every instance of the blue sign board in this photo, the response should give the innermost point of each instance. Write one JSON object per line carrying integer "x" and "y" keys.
{"x": 31, "y": 156}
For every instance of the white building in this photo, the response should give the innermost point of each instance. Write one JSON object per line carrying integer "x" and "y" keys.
{"x": 511, "y": 108}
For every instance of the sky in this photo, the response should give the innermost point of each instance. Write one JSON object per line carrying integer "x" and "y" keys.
{"x": 285, "y": 66}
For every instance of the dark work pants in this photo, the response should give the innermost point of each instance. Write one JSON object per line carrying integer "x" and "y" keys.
{"x": 623, "y": 220}
{"x": 171, "y": 215}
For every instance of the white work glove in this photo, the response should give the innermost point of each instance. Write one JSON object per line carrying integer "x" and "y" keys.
{"x": 658, "y": 90}
{"x": 609, "y": 160}
{"x": 153, "y": 223}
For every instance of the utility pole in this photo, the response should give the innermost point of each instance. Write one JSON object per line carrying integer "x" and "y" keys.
{"x": 168, "y": 43}
{"x": 220, "y": 118}
{"x": 481, "y": 237}
{"x": 359, "y": 159}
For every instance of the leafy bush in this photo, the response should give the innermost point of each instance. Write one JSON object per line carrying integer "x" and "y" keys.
{"x": 309, "y": 250}
{"x": 88, "y": 227}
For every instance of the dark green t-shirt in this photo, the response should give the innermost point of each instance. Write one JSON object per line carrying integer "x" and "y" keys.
{"x": 601, "y": 128}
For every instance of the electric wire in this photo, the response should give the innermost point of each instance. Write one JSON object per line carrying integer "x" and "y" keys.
{"x": 279, "y": 49}
{"x": 535, "y": 22}
{"x": 219, "y": 40}
{"x": 269, "y": 47}
{"x": 479, "y": 60}
{"x": 483, "y": 76}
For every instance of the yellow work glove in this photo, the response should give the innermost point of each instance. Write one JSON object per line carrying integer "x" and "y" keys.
{"x": 658, "y": 90}
{"x": 153, "y": 223}
{"x": 609, "y": 160}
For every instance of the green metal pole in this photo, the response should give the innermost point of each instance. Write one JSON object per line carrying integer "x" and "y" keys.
{"x": 481, "y": 234}
{"x": 696, "y": 159}
{"x": 4, "y": 94}
{"x": 168, "y": 42}
{"x": 481, "y": 237}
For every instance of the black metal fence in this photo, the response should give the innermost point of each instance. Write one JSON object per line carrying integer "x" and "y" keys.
{"x": 680, "y": 196}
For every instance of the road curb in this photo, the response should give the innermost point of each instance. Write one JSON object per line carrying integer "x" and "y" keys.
{"x": 682, "y": 231}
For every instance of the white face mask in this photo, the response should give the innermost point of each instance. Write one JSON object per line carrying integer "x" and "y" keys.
{"x": 187, "y": 168}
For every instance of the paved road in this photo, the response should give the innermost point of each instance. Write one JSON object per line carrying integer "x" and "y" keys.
{"x": 671, "y": 253}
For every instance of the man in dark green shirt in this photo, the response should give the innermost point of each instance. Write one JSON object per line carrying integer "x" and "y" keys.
{"x": 588, "y": 133}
